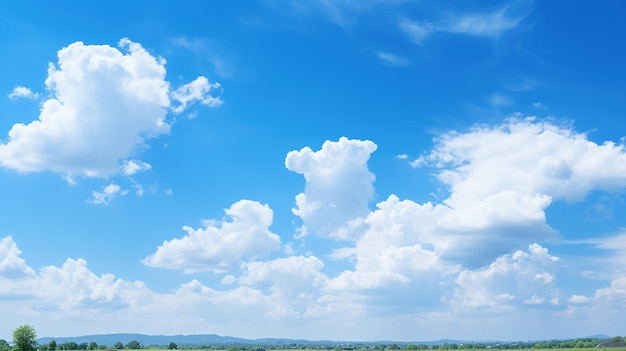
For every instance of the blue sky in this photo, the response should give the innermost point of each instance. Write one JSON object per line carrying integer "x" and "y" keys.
{"x": 398, "y": 170}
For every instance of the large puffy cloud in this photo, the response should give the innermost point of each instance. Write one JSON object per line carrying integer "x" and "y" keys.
{"x": 220, "y": 246}
{"x": 501, "y": 180}
{"x": 294, "y": 282}
{"x": 104, "y": 104}
{"x": 72, "y": 293}
{"x": 527, "y": 156}
{"x": 338, "y": 186}
{"x": 69, "y": 290}
{"x": 73, "y": 286}
{"x": 524, "y": 277}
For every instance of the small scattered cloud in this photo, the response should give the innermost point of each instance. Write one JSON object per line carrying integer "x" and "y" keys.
{"x": 578, "y": 300}
{"x": 402, "y": 156}
{"x": 417, "y": 31}
{"x": 499, "y": 99}
{"x": 198, "y": 90}
{"x": 108, "y": 193}
{"x": 229, "y": 280}
{"x": 22, "y": 92}
{"x": 392, "y": 59}
{"x": 130, "y": 167}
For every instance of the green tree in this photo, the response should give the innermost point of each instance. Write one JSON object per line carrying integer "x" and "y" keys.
{"x": 118, "y": 345}
{"x": 172, "y": 346}
{"x": 133, "y": 345}
{"x": 410, "y": 347}
{"x": 92, "y": 346}
{"x": 393, "y": 347}
{"x": 24, "y": 338}
{"x": 52, "y": 345}
{"x": 4, "y": 345}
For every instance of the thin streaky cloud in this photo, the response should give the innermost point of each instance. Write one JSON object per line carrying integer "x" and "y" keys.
{"x": 392, "y": 59}
{"x": 488, "y": 24}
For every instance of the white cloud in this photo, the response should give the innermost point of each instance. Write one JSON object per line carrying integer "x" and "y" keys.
{"x": 294, "y": 282}
{"x": 131, "y": 167}
{"x": 483, "y": 24}
{"x": 74, "y": 286}
{"x": 338, "y": 186}
{"x": 108, "y": 193}
{"x": 417, "y": 31}
{"x": 106, "y": 103}
{"x": 69, "y": 287}
{"x": 392, "y": 59}
{"x": 402, "y": 156}
{"x": 513, "y": 276}
{"x": 22, "y": 92}
{"x": 221, "y": 245}
{"x": 578, "y": 300}
{"x": 531, "y": 157}
{"x": 228, "y": 279}
{"x": 12, "y": 266}
{"x": 499, "y": 99}
{"x": 198, "y": 90}
{"x": 491, "y": 24}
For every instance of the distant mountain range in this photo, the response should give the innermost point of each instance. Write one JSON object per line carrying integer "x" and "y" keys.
{"x": 212, "y": 339}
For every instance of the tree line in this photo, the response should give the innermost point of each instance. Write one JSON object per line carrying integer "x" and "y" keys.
{"x": 25, "y": 339}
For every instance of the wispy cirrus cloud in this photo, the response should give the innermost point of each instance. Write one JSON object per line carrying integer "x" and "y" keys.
{"x": 391, "y": 59}
{"x": 479, "y": 24}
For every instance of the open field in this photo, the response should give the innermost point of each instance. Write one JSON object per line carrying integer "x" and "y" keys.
{"x": 317, "y": 349}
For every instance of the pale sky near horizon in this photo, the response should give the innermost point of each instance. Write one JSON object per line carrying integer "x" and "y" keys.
{"x": 346, "y": 170}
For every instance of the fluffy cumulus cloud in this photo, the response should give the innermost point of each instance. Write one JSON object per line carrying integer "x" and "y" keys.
{"x": 483, "y": 250}
{"x": 528, "y": 157}
{"x": 294, "y": 282}
{"x": 501, "y": 180}
{"x": 221, "y": 245}
{"x": 12, "y": 266}
{"x": 524, "y": 277}
{"x": 338, "y": 186}
{"x": 74, "y": 287}
{"x": 22, "y": 92}
{"x": 105, "y": 103}
{"x": 71, "y": 287}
